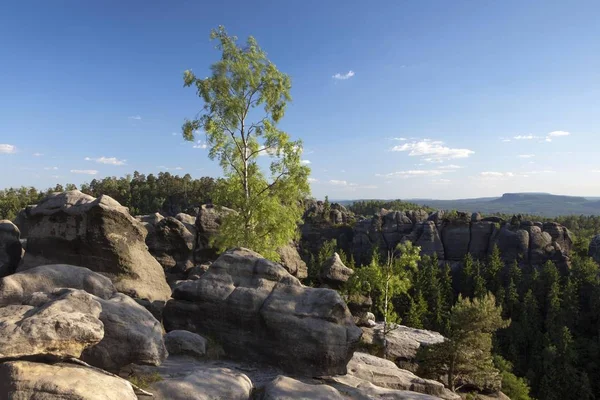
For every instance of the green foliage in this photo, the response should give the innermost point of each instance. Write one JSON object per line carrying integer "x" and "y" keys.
{"x": 514, "y": 387}
{"x": 371, "y": 207}
{"x": 269, "y": 209}
{"x": 466, "y": 354}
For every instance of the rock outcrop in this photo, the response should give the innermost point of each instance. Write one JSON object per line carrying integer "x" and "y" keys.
{"x": 594, "y": 251}
{"x": 99, "y": 234}
{"x": 256, "y": 310}
{"x": 11, "y": 249}
{"x": 450, "y": 236}
{"x": 62, "y": 325}
{"x": 33, "y": 380}
{"x": 172, "y": 244}
{"x": 291, "y": 261}
{"x": 285, "y": 388}
{"x": 119, "y": 330}
{"x": 185, "y": 343}
{"x": 334, "y": 273}
{"x": 402, "y": 343}
{"x": 207, "y": 225}
{"x": 182, "y": 378}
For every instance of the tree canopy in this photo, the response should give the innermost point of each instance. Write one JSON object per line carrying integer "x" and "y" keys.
{"x": 238, "y": 133}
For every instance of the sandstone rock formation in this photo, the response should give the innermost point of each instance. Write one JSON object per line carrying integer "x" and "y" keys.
{"x": 125, "y": 331}
{"x": 185, "y": 343}
{"x": 256, "y": 310}
{"x": 284, "y": 388}
{"x": 182, "y": 378}
{"x": 291, "y": 261}
{"x": 172, "y": 244}
{"x": 207, "y": 224}
{"x": 16, "y": 288}
{"x": 33, "y": 380}
{"x": 11, "y": 249}
{"x": 62, "y": 325}
{"x": 334, "y": 273}
{"x": 449, "y": 236}
{"x": 594, "y": 251}
{"x": 402, "y": 342}
{"x": 98, "y": 234}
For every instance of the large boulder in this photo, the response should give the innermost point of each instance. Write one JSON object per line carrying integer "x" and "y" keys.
{"x": 99, "y": 234}
{"x": 11, "y": 249}
{"x": 386, "y": 374}
{"x": 594, "y": 251}
{"x": 172, "y": 244}
{"x": 256, "y": 310}
{"x": 131, "y": 335}
{"x": 540, "y": 245}
{"x": 513, "y": 244}
{"x": 185, "y": 343}
{"x": 128, "y": 332}
{"x": 208, "y": 222}
{"x": 182, "y": 378}
{"x": 291, "y": 261}
{"x": 62, "y": 324}
{"x": 16, "y": 288}
{"x": 38, "y": 381}
{"x": 334, "y": 273}
{"x": 284, "y": 388}
{"x": 560, "y": 236}
{"x": 403, "y": 342}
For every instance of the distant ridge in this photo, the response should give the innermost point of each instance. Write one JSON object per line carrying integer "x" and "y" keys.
{"x": 542, "y": 204}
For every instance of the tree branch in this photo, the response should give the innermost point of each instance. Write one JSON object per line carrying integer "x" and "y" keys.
{"x": 273, "y": 183}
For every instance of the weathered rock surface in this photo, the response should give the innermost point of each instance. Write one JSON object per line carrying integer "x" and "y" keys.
{"x": 99, "y": 234}
{"x": 184, "y": 379}
{"x": 185, "y": 343}
{"x": 207, "y": 224}
{"x": 594, "y": 251}
{"x": 334, "y": 273}
{"x": 172, "y": 244}
{"x": 61, "y": 324}
{"x": 21, "y": 380}
{"x": 449, "y": 236}
{"x": 291, "y": 261}
{"x": 403, "y": 342}
{"x": 386, "y": 374}
{"x": 16, "y": 288}
{"x": 284, "y": 388}
{"x": 11, "y": 249}
{"x": 256, "y": 310}
{"x": 131, "y": 335}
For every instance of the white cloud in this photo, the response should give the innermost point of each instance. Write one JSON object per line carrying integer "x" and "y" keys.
{"x": 50, "y": 168}
{"x": 433, "y": 151}
{"x": 441, "y": 181}
{"x": 526, "y": 155}
{"x": 526, "y": 137}
{"x": 338, "y": 183}
{"x": 7, "y": 149}
{"x": 107, "y": 160}
{"x": 84, "y": 171}
{"x": 505, "y": 140}
{"x": 596, "y": 171}
{"x": 313, "y": 180}
{"x": 348, "y": 75}
{"x": 492, "y": 174}
{"x": 135, "y": 117}
{"x": 450, "y": 166}
{"x": 37, "y": 154}
{"x": 558, "y": 133}
{"x": 173, "y": 133}
{"x": 170, "y": 168}
{"x": 412, "y": 173}
{"x": 402, "y": 139}
{"x": 200, "y": 145}
{"x": 305, "y": 162}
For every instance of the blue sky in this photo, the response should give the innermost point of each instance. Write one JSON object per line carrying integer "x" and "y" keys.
{"x": 442, "y": 99}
